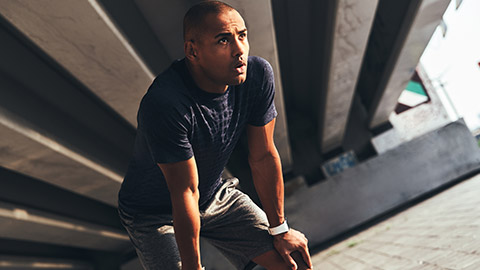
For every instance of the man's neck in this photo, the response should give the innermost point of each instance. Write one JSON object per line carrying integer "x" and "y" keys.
{"x": 203, "y": 82}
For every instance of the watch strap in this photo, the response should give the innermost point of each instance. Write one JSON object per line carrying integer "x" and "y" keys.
{"x": 282, "y": 228}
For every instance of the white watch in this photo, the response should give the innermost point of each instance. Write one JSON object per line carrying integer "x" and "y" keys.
{"x": 282, "y": 228}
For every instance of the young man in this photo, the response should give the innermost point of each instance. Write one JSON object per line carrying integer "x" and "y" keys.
{"x": 188, "y": 124}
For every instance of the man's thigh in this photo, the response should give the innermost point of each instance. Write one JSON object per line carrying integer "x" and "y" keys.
{"x": 236, "y": 226}
{"x": 154, "y": 240}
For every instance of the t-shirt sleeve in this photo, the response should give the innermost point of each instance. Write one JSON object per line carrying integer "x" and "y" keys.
{"x": 165, "y": 126}
{"x": 264, "y": 110}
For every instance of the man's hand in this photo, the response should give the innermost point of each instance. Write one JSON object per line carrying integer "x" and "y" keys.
{"x": 289, "y": 242}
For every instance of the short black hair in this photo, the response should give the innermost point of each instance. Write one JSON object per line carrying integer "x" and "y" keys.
{"x": 196, "y": 14}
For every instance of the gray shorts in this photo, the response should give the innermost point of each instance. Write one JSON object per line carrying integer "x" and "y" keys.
{"x": 232, "y": 223}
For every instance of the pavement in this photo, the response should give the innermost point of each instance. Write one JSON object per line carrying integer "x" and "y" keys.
{"x": 442, "y": 232}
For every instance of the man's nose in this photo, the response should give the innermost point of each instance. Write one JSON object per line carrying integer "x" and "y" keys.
{"x": 240, "y": 47}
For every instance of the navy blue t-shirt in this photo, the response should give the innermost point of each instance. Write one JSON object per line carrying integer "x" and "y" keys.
{"x": 178, "y": 120}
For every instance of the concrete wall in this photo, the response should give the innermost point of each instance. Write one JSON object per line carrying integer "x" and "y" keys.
{"x": 382, "y": 183}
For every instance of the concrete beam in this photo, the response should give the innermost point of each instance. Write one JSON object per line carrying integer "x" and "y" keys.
{"x": 131, "y": 21}
{"x": 29, "y": 152}
{"x": 37, "y": 88}
{"x": 53, "y": 199}
{"x": 23, "y": 262}
{"x": 40, "y": 141}
{"x": 351, "y": 31}
{"x": 81, "y": 37}
{"x": 166, "y": 20}
{"x": 53, "y": 128}
{"x": 22, "y": 223}
{"x": 419, "y": 33}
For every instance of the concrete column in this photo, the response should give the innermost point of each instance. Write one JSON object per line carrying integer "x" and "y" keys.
{"x": 352, "y": 26}
{"x": 424, "y": 24}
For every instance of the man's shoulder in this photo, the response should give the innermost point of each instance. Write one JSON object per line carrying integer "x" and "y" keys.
{"x": 169, "y": 81}
{"x": 166, "y": 92}
{"x": 259, "y": 71}
{"x": 167, "y": 86}
{"x": 259, "y": 64}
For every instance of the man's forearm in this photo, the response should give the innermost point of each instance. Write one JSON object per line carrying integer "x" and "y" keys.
{"x": 186, "y": 221}
{"x": 268, "y": 180}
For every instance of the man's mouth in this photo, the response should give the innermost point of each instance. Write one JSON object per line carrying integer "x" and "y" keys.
{"x": 241, "y": 67}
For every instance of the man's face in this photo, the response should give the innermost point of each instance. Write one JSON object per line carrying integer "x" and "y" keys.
{"x": 222, "y": 49}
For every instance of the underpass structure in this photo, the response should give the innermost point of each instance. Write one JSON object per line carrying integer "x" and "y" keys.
{"x": 72, "y": 74}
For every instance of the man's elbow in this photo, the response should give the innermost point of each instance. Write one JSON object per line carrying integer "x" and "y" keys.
{"x": 264, "y": 158}
{"x": 185, "y": 195}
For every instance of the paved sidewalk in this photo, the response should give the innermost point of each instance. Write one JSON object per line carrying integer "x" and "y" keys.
{"x": 442, "y": 232}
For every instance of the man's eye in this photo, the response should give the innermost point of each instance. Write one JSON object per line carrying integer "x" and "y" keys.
{"x": 223, "y": 41}
{"x": 243, "y": 35}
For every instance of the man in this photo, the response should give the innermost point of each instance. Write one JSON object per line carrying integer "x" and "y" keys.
{"x": 188, "y": 124}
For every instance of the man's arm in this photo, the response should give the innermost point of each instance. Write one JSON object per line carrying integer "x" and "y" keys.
{"x": 182, "y": 181}
{"x": 267, "y": 176}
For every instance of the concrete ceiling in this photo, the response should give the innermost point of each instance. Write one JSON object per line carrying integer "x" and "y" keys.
{"x": 73, "y": 72}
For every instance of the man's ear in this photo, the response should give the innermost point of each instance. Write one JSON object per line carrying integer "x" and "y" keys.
{"x": 190, "y": 51}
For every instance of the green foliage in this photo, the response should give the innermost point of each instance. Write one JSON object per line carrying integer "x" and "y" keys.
{"x": 333, "y": 252}
{"x": 353, "y": 243}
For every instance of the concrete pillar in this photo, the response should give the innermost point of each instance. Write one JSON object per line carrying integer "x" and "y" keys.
{"x": 425, "y": 21}
{"x": 352, "y": 26}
